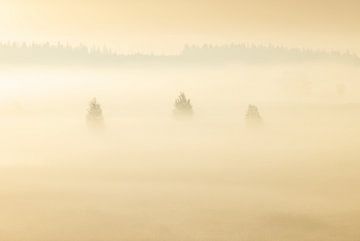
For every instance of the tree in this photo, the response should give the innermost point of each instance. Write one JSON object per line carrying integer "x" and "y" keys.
{"x": 183, "y": 105}
{"x": 95, "y": 114}
{"x": 253, "y": 117}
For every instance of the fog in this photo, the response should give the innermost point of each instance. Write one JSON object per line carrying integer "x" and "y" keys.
{"x": 147, "y": 175}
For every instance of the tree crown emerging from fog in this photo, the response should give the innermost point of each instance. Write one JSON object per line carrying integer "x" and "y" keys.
{"x": 95, "y": 113}
{"x": 183, "y": 105}
{"x": 253, "y": 116}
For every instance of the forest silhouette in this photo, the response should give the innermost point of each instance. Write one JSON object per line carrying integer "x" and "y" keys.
{"x": 64, "y": 54}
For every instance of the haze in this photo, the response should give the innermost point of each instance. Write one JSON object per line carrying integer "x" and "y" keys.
{"x": 178, "y": 120}
{"x": 165, "y": 26}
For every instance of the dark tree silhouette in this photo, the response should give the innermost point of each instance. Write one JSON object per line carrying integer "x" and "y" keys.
{"x": 183, "y": 106}
{"x": 253, "y": 117}
{"x": 95, "y": 114}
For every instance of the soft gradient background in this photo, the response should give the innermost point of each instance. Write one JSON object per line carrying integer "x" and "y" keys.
{"x": 147, "y": 176}
{"x": 164, "y": 26}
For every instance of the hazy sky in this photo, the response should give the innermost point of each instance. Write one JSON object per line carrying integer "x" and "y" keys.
{"x": 165, "y": 25}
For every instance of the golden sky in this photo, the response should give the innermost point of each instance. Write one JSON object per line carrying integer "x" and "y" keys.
{"x": 165, "y": 25}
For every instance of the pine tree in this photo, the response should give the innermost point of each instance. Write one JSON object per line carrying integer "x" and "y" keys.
{"x": 253, "y": 117}
{"x": 183, "y": 105}
{"x": 95, "y": 114}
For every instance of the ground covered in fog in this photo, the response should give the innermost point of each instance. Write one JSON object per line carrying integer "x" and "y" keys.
{"x": 148, "y": 176}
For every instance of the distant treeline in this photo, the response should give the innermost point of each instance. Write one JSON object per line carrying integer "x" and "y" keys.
{"x": 251, "y": 53}
{"x": 60, "y": 54}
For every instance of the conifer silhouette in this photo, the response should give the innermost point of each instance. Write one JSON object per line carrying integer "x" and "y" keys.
{"x": 183, "y": 105}
{"x": 253, "y": 117}
{"x": 95, "y": 114}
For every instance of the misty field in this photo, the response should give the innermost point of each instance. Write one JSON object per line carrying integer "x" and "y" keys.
{"x": 149, "y": 176}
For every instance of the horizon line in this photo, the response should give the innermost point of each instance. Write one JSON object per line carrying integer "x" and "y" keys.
{"x": 113, "y": 51}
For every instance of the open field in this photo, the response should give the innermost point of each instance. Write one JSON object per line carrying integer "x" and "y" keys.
{"x": 148, "y": 176}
